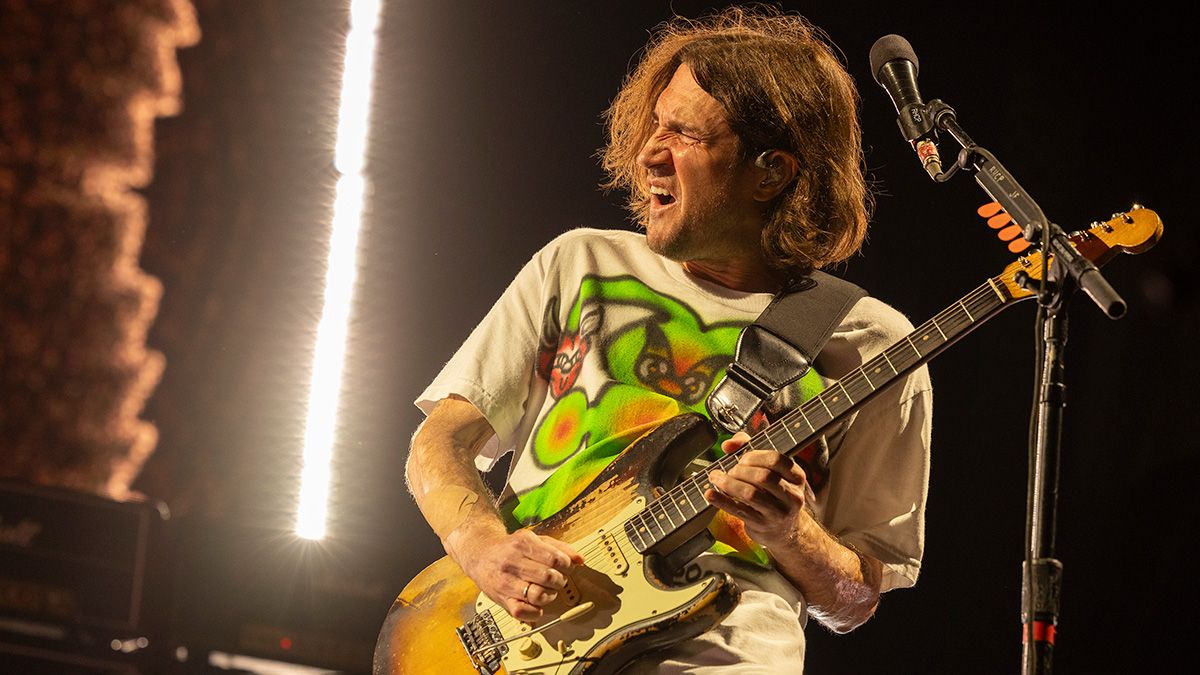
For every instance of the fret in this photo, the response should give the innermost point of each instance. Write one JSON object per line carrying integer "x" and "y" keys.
{"x": 681, "y": 500}
{"x": 867, "y": 378}
{"x": 634, "y": 527}
{"x": 982, "y": 305}
{"x": 939, "y": 328}
{"x": 996, "y": 289}
{"x": 857, "y": 385}
{"x": 787, "y": 443}
{"x": 692, "y": 504}
{"x": 977, "y": 305}
{"x": 922, "y": 339}
{"x": 875, "y": 366}
{"x": 702, "y": 487}
{"x": 784, "y": 425}
{"x": 821, "y": 399}
{"x": 907, "y": 341}
{"x": 663, "y": 507}
{"x": 985, "y": 302}
{"x": 889, "y": 362}
{"x": 656, "y": 522}
{"x": 956, "y": 323}
{"x": 727, "y": 462}
{"x": 718, "y": 465}
{"x": 845, "y": 393}
{"x": 835, "y": 403}
{"x": 800, "y": 410}
{"x": 769, "y": 441}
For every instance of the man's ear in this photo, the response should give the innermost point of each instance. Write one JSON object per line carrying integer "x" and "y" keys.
{"x": 778, "y": 169}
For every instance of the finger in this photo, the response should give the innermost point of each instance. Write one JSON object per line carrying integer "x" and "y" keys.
{"x": 521, "y": 610}
{"x": 760, "y": 479}
{"x": 538, "y": 596}
{"x": 746, "y": 513}
{"x": 541, "y": 549}
{"x": 526, "y": 571}
{"x": 751, "y": 495}
{"x": 574, "y": 556}
{"x": 731, "y": 445}
{"x": 515, "y": 607}
{"x": 781, "y": 464}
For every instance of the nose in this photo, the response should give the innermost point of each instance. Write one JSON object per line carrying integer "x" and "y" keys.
{"x": 653, "y": 154}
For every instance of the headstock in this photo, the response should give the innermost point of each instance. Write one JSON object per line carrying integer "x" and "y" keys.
{"x": 1135, "y": 231}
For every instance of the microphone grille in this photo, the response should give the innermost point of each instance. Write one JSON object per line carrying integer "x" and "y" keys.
{"x": 889, "y": 48}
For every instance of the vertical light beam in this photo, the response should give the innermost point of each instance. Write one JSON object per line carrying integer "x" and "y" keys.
{"x": 349, "y": 158}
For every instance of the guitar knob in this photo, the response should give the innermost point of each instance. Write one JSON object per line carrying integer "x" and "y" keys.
{"x": 529, "y": 649}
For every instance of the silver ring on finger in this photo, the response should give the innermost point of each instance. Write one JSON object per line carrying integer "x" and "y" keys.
{"x": 525, "y": 593}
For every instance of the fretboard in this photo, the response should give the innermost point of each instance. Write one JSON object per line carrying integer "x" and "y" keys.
{"x": 795, "y": 430}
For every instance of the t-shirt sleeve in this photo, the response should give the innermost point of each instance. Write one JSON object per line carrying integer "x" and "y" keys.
{"x": 878, "y": 486}
{"x": 879, "y": 472}
{"x": 493, "y": 367}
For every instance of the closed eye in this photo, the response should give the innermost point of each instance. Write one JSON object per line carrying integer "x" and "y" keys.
{"x": 688, "y": 135}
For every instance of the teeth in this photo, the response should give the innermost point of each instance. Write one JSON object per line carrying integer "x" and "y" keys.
{"x": 655, "y": 190}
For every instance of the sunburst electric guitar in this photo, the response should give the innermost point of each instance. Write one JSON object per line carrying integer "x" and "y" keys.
{"x": 638, "y": 526}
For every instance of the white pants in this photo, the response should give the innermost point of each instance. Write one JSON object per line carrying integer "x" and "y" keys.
{"x": 763, "y": 635}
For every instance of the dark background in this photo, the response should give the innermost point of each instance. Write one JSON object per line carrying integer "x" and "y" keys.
{"x": 483, "y": 141}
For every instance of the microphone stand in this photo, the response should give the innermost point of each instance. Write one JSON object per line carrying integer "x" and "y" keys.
{"x": 1041, "y": 572}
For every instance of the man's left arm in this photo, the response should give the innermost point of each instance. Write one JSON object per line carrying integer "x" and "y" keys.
{"x": 766, "y": 490}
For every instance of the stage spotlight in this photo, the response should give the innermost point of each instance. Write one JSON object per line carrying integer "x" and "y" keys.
{"x": 349, "y": 157}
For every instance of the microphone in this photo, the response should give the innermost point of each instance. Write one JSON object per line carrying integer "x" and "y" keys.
{"x": 895, "y": 66}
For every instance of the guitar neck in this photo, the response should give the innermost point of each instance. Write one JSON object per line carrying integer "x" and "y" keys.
{"x": 680, "y": 507}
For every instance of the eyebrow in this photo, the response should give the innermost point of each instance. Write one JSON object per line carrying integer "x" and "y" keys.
{"x": 681, "y": 126}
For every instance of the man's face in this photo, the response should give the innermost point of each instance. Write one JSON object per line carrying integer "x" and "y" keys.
{"x": 700, "y": 190}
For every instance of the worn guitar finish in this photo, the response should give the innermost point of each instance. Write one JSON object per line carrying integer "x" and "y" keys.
{"x": 637, "y": 536}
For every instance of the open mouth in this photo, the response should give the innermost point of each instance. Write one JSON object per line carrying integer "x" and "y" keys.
{"x": 660, "y": 196}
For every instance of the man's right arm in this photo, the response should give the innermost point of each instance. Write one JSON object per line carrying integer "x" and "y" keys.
{"x": 521, "y": 571}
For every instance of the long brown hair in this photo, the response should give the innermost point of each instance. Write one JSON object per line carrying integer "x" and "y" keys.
{"x": 782, "y": 87}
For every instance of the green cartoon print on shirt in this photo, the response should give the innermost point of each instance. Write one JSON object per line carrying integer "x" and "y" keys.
{"x": 624, "y": 359}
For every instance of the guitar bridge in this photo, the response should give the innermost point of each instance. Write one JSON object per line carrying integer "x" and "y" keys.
{"x": 475, "y": 635}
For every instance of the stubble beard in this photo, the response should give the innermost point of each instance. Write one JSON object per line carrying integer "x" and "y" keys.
{"x": 674, "y": 247}
{"x": 701, "y": 235}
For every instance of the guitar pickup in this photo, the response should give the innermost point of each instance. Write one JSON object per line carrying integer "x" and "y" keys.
{"x": 613, "y": 554}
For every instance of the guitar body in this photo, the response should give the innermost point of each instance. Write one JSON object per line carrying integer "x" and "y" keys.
{"x": 638, "y": 600}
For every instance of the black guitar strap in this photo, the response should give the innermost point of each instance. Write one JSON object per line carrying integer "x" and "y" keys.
{"x": 780, "y": 346}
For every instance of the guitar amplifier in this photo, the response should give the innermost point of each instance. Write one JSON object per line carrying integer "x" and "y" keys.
{"x": 79, "y": 574}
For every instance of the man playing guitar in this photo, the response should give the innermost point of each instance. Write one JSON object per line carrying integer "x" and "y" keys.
{"x": 737, "y": 139}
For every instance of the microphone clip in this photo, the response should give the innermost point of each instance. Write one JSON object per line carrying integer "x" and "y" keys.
{"x": 918, "y": 128}
{"x": 938, "y": 115}
{"x": 915, "y": 123}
